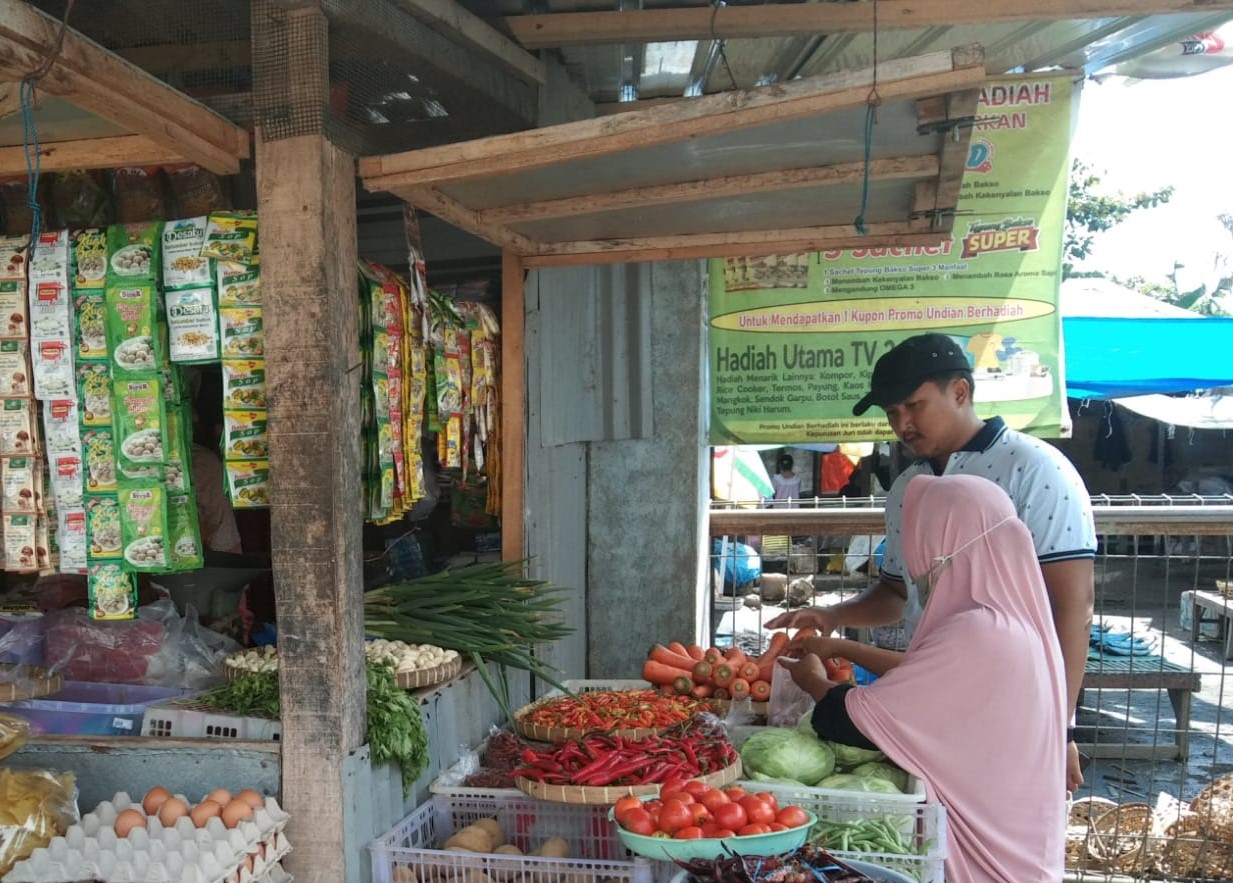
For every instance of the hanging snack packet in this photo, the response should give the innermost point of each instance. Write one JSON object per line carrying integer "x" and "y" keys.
{"x": 245, "y": 436}
{"x": 242, "y": 335}
{"x": 90, "y": 325}
{"x": 17, "y": 477}
{"x": 67, "y": 476}
{"x": 136, "y": 253}
{"x": 239, "y": 285}
{"x": 71, "y": 538}
{"x": 184, "y": 533}
{"x": 244, "y": 384}
{"x": 183, "y": 265}
{"x": 52, "y": 363}
{"x": 88, "y": 254}
{"x": 104, "y": 534}
{"x": 17, "y": 434}
{"x": 14, "y": 369}
{"x": 132, "y": 330}
{"x": 192, "y": 324}
{"x": 177, "y": 476}
{"x": 248, "y": 483}
{"x": 13, "y": 310}
{"x": 112, "y": 592}
{"x": 49, "y": 261}
{"x": 94, "y": 393}
{"x": 231, "y": 236}
{"x": 140, "y": 426}
{"x": 20, "y": 540}
{"x": 143, "y": 521}
{"x": 43, "y": 544}
{"x": 98, "y": 450}
{"x": 60, "y": 429}
{"x": 13, "y": 256}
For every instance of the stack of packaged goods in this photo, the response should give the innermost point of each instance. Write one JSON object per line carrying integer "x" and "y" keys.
{"x": 231, "y": 240}
{"x": 19, "y": 442}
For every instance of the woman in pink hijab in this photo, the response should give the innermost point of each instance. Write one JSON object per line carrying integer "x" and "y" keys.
{"x": 976, "y": 708}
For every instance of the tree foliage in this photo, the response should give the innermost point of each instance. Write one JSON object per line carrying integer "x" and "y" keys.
{"x": 1088, "y": 212}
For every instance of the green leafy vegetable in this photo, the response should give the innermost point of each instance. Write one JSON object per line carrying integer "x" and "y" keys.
{"x": 254, "y": 694}
{"x": 883, "y": 770}
{"x": 787, "y": 754}
{"x": 395, "y": 725}
{"x": 850, "y": 782}
{"x": 849, "y": 756}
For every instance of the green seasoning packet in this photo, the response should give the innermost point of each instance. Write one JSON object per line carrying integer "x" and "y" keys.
{"x": 231, "y": 236}
{"x": 90, "y": 325}
{"x": 140, "y": 419}
{"x": 132, "y": 330}
{"x": 143, "y": 522}
{"x": 244, "y": 384}
{"x": 103, "y": 531}
{"x": 245, "y": 436}
{"x": 113, "y": 593}
{"x": 248, "y": 483}
{"x": 239, "y": 285}
{"x": 183, "y": 265}
{"x": 135, "y": 253}
{"x": 241, "y": 332}
{"x": 94, "y": 393}
{"x": 184, "y": 533}
{"x": 177, "y": 477}
{"x": 88, "y": 254}
{"x": 192, "y": 324}
{"x": 99, "y": 453}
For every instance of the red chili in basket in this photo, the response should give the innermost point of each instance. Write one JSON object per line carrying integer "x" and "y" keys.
{"x": 614, "y": 710}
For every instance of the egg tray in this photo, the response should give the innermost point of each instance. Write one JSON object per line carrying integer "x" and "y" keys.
{"x": 183, "y": 853}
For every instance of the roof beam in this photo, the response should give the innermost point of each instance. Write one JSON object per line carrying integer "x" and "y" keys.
{"x": 743, "y": 244}
{"x": 90, "y": 153}
{"x": 714, "y": 188}
{"x": 458, "y": 23}
{"x": 98, "y": 81}
{"x": 785, "y": 20}
{"x": 920, "y": 76}
{"x": 453, "y": 212}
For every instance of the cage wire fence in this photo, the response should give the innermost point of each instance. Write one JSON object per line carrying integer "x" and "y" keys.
{"x": 1157, "y": 802}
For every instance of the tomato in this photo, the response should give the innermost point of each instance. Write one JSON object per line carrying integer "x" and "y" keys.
{"x": 721, "y": 833}
{"x": 768, "y": 798}
{"x": 711, "y": 830}
{"x": 680, "y": 795}
{"x": 776, "y": 826}
{"x": 735, "y": 793}
{"x": 653, "y": 805}
{"x": 751, "y": 830}
{"x": 674, "y": 816}
{"x": 674, "y": 783}
{"x": 756, "y": 811}
{"x": 701, "y": 813}
{"x": 697, "y": 787}
{"x": 713, "y": 800}
{"x": 731, "y": 815}
{"x": 692, "y": 832}
{"x": 639, "y": 822}
{"x": 624, "y": 805}
{"x": 792, "y": 817}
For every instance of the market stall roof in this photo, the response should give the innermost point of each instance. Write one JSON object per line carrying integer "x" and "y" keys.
{"x": 778, "y": 169}
{"x": 93, "y": 109}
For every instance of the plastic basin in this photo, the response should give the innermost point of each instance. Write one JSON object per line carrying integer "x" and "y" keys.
{"x": 662, "y": 849}
{"x": 874, "y": 872}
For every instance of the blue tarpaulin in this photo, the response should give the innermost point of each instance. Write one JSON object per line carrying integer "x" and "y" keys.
{"x": 1108, "y": 358}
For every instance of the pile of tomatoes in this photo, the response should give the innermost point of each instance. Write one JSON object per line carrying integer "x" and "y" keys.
{"x": 694, "y": 810}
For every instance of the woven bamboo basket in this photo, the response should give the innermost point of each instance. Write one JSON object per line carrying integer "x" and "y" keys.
{"x": 428, "y": 677}
{"x": 21, "y": 682}
{"x": 1085, "y": 809}
{"x": 557, "y": 735}
{"x": 1188, "y": 853}
{"x": 592, "y": 795}
{"x": 1079, "y": 831}
{"x": 1126, "y": 839}
{"x": 1214, "y": 807}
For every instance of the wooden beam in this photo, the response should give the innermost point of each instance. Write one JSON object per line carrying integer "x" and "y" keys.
{"x": 513, "y": 408}
{"x": 742, "y": 244}
{"x": 92, "y": 153}
{"x": 450, "y": 210}
{"x": 557, "y": 29}
{"x": 190, "y": 57}
{"x": 10, "y": 99}
{"x": 961, "y": 109}
{"x": 462, "y": 25}
{"x": 713, "y": 188}
{"x": 505, "y": 154}
{"x": 110, "y": 87}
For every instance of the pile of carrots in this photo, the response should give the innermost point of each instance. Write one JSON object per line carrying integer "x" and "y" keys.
{"x": 714, "y": 673}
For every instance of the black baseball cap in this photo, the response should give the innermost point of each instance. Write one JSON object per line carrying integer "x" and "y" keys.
{"x": 909, "y": 364}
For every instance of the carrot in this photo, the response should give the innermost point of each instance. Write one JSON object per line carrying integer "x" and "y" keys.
{"x": 739, "y": 688}
{"x": 660, "y": 653}
{"x": 714, "y": 656}
{"x": 749, "y": 671}
{"x": 702, "y": 691}
{"x": 721, "y": 693}
{"x": 658, "y": 673}
{"x": 724, "y": 674}
{"x": 760, "y": 691}
{"x": 677, "y": 647}
{"x": 804, "y": 633}
{"x": 702, "y": 672}
{"x": 766, "y": 662}
{"x": 683, "y": 684}
{"x": 735, "y": 656}
{"x": 694, "y": 652}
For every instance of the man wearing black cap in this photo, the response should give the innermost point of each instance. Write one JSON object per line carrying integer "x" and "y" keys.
{"x": 925, "y": 386}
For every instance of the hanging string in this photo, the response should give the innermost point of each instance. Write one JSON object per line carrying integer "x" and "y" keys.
{"x": 871, "y": 119}
{"x": 720, "y": 44}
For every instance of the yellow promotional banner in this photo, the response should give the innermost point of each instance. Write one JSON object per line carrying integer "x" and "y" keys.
{"x": 793, "y": 338}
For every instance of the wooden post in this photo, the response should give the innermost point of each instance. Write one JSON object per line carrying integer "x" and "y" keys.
{"x": 306, "y": 201}
{"x": 513, "y": 408}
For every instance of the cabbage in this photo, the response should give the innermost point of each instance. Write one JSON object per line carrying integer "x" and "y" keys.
{"x": 850, "y": 782}
{"x": 771, "y": 780}
{"x": 805, "y": 725}
{"x": 849, "y": 756}
{"x": 883, "y": 770}
{"x": 787, "y": 754}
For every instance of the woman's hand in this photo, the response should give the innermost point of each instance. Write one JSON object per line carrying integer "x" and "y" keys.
{"x": 823, "y": 648}
{"x": 809, "y": 674}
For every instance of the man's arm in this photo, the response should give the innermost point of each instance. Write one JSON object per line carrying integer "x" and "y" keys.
{"x": 880, "y": 604}
{"x": 1072, "y": 592}
{"x": 873, "y": 659}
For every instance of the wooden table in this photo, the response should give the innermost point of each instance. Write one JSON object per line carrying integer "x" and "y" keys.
{"x": 1144, "y": 673}
{"x": 1221, "y": 607}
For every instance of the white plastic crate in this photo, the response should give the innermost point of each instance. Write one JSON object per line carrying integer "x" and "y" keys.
{"x": 922, "y": 826}
{"x": 410, "y": 852}
{"x": 189, "y": 720}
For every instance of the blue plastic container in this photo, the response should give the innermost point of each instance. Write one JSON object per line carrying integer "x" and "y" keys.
{"x": 863, "y": 676}
{"x": 90, "y": 709}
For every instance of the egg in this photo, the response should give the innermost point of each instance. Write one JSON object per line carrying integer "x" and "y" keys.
{"x": 235, "y": 812}
{"x": 171, "y": 811}
{"x": 221, "y": 796}
{"x": 205, "y": 811}
{"x": 251, "y": 797}
{"x": 154, "y": 800}
{"x": 128, "y": 820}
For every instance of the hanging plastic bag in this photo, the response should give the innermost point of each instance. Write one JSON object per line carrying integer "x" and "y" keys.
{"x": 35, "y": 806}
{"x": 788, "y": 701}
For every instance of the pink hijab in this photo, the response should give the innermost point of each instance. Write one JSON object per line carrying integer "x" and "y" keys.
{"x": 976, "y": 708}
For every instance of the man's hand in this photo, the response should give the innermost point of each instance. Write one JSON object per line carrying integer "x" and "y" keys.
{"x": 820, "y": 618}
{"x": 823, "y": 648}
{"x": 1074, "y": 775}
{"x": 809, "y": 674}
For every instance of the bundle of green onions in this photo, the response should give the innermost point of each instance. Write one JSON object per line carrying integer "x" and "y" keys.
{"x": 489, "y": 612}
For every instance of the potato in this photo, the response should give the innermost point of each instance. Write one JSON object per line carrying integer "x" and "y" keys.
{"x": 495, "y": 835}
{"x": 554, "y": 847}
{"x": 507, "y": 849}
{"x": 507, "y": 875}
{"x": 473, "y": 838}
